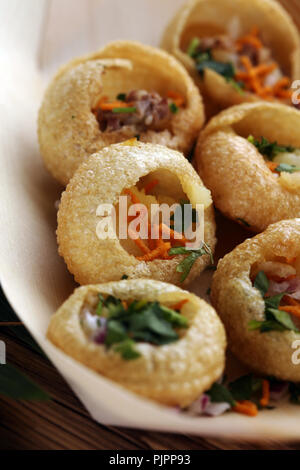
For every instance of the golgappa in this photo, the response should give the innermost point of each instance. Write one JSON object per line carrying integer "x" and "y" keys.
{"x": 256, "y": 292}
{"x": 125, "y": 89}
{"x": 249, "y": 157}
{"x": 236, "y": 50}
{"x": 145, "y": 174}
{"x": 152, "y": 338}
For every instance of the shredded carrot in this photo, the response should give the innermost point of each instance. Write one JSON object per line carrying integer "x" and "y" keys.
{"x": 113, "y": 104}
{"x": 176, "y": 97}
{"x": 150, "y": 186}
{"x": 264, "y": 401}
{"x": 143, "y": 247}
{"x": 133, "y": 197}
{"x": 124, "y": 303}
{"x": 249, "y": 39}
{"x": 290, "y": 300}
{"x": 156, "y": 253}
{"x": 290, "y": 260}
{"x": 293, "y": 309}
{"x": 272, "y": 166}
{"x": 101, "y": 100}
{"x": 273, "y": 277}
{"x": 254, "y": 76}
{"x": 170, "y": 233}
{"x": 280, "y": 88}
{"x": 180, "y": 304}
{"x": 246, "y": 407}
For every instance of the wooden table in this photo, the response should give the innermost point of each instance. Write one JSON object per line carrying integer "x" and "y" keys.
{"x": 63, "y": 423}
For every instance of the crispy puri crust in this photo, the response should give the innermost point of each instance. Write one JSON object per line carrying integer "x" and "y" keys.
{"x": 101, "y": 179}
{"x": 232, "y": 168}
{"x": 277, "y": 28}
{"x": 237, "y": 302}
{"x": 68, "y": 130}
{"x": 174, "y": 374}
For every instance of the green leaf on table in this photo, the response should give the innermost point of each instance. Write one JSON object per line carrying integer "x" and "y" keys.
{"x": 16, "y": 385}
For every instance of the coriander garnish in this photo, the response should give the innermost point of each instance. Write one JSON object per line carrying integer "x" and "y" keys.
{"x": 269, "y": 149}
{"x": 138, "y": 321}
{"x": 275, "y": 319}
{"x": 187, "y": 263}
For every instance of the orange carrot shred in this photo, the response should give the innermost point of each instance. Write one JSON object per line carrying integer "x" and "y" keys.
{"x": 264, "y": 401}
{"x": 272, "y": 166}
{"x": 133, "y": 197}
{"x": 293, "y": 309}
{"x": 150, "y": 186}
{"x": 170, "y": 233}
{"x": 290, "y": 260}
{"x": 143, "y": 247}
{"x": 246, "y": 407}
{"x": 114, "y": 104}
{"x": 154, "y": 254}
{"x": 176, "y": 97}
{"x": 180, "y": 304}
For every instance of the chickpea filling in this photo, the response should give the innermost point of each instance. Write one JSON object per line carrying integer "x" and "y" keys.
{"x": 138, "y": 110}
{"x": 278, "y": 281}
{"x": 120, "y": 324}
{"x": 244, "y": 61}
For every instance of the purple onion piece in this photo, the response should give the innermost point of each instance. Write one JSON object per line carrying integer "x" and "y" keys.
{"x": 278, "y": 390}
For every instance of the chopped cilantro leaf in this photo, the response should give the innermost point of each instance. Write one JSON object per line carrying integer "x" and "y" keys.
{"x": 121, "y": 96}
{"x": 193, "y": 47}
{"x": 269, "y": 149}
{"x": 218, "y": 393}
{"x": 129, "y": 109}
{"x": 140, "y": 320}
{"x": 126, "y": 349}
{"x": 261, "y": 283}
{"x": 225, "y": 69}
{"x": 187, "y": 263}
{"x": 275, "y": 320}
{"x": 287, "y": 168}
{"x": 173, "y": 108}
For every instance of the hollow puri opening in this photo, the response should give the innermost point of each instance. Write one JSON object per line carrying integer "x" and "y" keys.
{"x": 158, "y": 187}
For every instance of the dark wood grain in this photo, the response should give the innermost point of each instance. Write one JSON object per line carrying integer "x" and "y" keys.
{"x": 63, "y": 423}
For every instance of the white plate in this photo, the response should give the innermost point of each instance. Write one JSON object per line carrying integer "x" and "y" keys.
{"x": 35, "y": 37}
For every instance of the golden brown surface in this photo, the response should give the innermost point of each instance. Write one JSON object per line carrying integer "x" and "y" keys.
{"x": 68, "y": 130}
{"x": 237, "y": 302}
{"x": 199, "y": 18}
{"x": 101, "y": 180}
{"x": 174, "y": 374}
{"x": 232, "y": 168}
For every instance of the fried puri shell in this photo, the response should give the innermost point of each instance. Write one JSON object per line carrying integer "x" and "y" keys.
{"x": 238, "y": 302}
{"x": 101, "y": 180}
{"x": 242, "y": 185}
{"x": 214, "y": 17}
{"x": 67, "y": 128}
{"x": 174, "y": 374}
